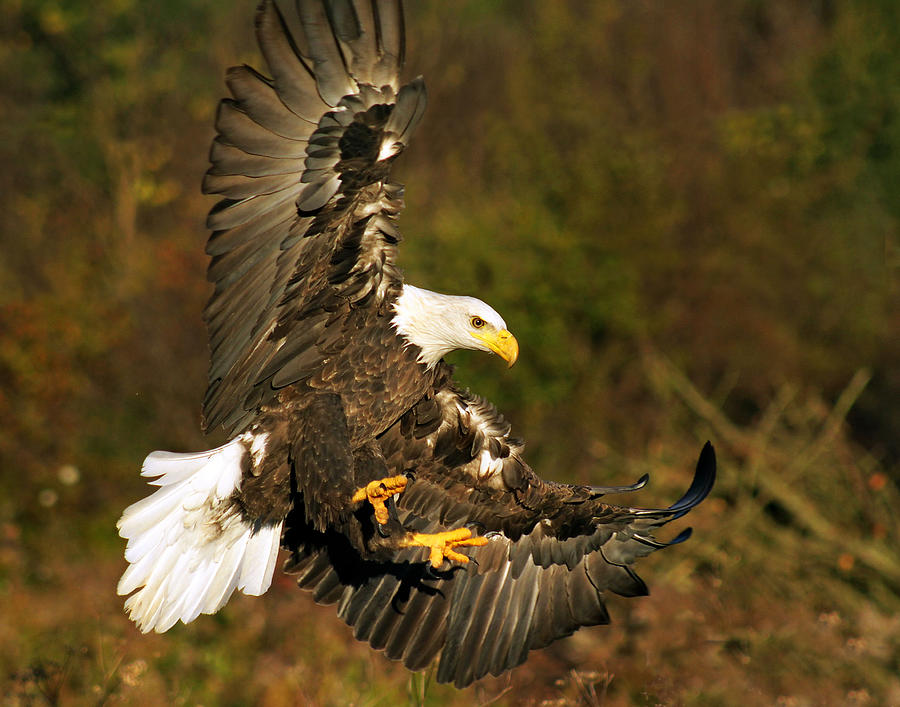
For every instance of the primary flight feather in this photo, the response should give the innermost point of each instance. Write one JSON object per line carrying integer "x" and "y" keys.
{"x": 351, "y": 446}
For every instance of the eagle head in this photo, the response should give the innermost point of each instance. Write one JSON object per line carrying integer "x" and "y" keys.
{"x": 439, "y": 324}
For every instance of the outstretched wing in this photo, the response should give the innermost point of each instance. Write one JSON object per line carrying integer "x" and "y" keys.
{"x": 305, "y": 229}
{"x": 553, "y": 549}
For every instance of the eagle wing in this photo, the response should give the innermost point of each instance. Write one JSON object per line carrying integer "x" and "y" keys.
{"x": 305, "y": 229}
{"x": 553, "y": 549}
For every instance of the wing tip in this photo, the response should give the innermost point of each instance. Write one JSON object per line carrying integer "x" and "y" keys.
{"x": 702, "y": 483}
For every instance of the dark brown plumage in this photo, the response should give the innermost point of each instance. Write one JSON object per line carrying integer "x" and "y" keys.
{"x": 326, "y": 371}
{"x": 554, "y": 549}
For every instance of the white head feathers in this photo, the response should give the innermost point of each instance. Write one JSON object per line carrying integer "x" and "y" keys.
{"x": 439, "y": 324}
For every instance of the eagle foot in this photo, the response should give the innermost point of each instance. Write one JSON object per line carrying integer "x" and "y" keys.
{"x": 377, "y": 492}
{"x": 442, "y": 544}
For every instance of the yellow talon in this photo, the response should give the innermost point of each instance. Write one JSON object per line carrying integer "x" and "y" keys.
{"x": 377, "y": 492}
{"x": 442, "y": 544}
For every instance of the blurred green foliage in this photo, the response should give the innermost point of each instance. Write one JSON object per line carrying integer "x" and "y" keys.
{"x": 715, "y": 181}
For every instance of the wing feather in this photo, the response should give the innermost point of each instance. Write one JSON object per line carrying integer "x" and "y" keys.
{"x": 228, "y": 160}
{"x": 354, "y": 27}
{"x": 238, "y": 129}
{"x": 292, "y": 77}
{"x": 415, "y": 619}
{"x": 240, "y": 186}
{"x": 258, "y": 97}
{"x": 391, "y": 43}
{"x": 230, "y": 213}
{"x": 378, "y": 601}
{"x": 328, "y": 66}
{"x": 306, "y": 224}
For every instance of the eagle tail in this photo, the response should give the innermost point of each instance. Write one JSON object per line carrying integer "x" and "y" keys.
{"x": 189, "y": 547}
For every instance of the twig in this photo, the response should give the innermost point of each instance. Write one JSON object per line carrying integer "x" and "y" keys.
{"x": 874, "y": 554}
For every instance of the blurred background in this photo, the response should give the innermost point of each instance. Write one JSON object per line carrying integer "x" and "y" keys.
{"x": 687, "y": 212}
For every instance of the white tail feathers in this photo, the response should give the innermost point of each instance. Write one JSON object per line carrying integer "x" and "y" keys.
{"x": 188, "y": 546}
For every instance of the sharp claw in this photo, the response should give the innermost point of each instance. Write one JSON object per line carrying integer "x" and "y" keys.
{"x": 391, "y": 504}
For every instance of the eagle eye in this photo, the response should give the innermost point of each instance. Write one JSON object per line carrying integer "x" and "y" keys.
{"x": 476, "y": 322}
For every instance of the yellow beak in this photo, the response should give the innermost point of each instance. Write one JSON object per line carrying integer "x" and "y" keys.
{"x": 502, "y": 343}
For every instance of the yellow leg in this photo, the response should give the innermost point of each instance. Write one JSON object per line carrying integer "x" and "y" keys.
{"x": 377, "y": 492}
{"x": 442, "y": 544}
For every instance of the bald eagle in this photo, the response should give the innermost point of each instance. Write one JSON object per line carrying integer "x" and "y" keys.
{"x": 397, "y": 495}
